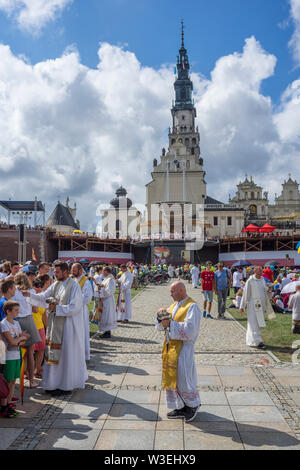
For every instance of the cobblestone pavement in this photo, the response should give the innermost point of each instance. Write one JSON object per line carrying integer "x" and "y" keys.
{"x": 249, "y": 399}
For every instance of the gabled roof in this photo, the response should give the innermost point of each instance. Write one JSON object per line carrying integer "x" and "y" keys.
{"x": 22, "y": 205}
{"x": 61, "y": 216}
{"x": 210, "y": 200}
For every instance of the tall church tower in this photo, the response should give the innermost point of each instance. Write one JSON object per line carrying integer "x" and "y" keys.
{"x": 179, "y": 176}
{"x": 183, "y": 110}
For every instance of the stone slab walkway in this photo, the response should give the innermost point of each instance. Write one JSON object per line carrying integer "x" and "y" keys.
{"x": 249, "y": 400}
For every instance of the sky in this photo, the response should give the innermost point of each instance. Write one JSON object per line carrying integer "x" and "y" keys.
{"x": 86, "y": 88}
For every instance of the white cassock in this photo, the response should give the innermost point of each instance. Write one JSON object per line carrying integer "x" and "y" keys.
{"x": 126, "y": 282}
{"x": 108, "y": 320}
{"x": 187, "y": 331}
{"x": 195, "y": 276}
{"x": 87, "y": 295}
{"x": 71, "y": 371}
{"x": 252, "y": 294}
{"x": 171, "y": 271}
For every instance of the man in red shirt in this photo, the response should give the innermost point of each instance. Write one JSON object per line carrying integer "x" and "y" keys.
{"x": 268, "y": 274}
{"x": 208, "y": 285}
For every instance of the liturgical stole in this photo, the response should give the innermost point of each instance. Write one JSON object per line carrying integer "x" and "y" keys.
{"x": 171, "y": 350}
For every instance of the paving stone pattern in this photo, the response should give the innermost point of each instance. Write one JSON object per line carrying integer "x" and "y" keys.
{"x": 249, "y": 399}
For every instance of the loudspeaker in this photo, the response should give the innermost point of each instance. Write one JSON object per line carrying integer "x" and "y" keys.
{"x": 21, "y": 233}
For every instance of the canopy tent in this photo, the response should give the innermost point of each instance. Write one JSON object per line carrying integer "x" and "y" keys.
{"x": 241, "y": 264}
{"x": 251, "y": 228}
{"x": 267, "y": 228}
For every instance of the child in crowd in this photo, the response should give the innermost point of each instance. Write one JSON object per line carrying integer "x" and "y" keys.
{"x": 13, "y": 337}
{"x": 40, "y": 284}
{"x": 294, "y": 304}
{"x": 238, "y": 298}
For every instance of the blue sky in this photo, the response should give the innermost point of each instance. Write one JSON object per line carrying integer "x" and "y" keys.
{"x": 151, "y": 29}
{"x": 86, "y": 88}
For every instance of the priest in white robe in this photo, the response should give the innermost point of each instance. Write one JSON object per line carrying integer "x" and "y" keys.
{"x": 78, "y": 274}
{"x": 255, "y": 302}
{"x": 195, "y": 276}
{"x": 69, "y": 371}
{"x": 124, "y": 298}
{"x": 182, "y": 396}
{"x": 108, "y": 319}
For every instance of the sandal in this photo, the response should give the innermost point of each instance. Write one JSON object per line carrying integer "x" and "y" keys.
{"x": 33, "y": 384}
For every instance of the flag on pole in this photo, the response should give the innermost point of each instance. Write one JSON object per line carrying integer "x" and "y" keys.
{"x": 33, "y": 255}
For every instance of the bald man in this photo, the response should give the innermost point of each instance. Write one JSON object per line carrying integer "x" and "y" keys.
{"x": 78, "y": 274}
{"x": 179, "y": 369}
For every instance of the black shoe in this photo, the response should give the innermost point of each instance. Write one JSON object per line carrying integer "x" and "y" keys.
{"x": 176, "y": 413}
{"x": 54, "y": 393}
{"x": 190, "y": 413}
{"x": 65, "y": 392}
{"x": 106, "y": 335}
{"x": 262, "y": 346}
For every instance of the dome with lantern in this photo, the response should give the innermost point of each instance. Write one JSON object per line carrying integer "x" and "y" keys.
{"x": 121, "y": 201}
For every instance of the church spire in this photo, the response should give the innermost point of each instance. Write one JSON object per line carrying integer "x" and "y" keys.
{"x": 182, "y": 34}
{"x": 183, "y": 84}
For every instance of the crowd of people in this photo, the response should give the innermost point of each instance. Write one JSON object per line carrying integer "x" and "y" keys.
{"x": 45, "y": 315}
{"x": 44, "y": 311}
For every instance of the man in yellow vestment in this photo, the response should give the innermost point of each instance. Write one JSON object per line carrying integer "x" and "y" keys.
{"x": 179, "y": 369}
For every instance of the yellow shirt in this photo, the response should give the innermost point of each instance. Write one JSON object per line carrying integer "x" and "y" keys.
{"x": 38, "y": 318}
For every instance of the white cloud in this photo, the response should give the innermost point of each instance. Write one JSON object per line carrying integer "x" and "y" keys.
{"x": 69, "y": 130}
{"x": 33, "y": 15}
{"x": 295, "y": 41}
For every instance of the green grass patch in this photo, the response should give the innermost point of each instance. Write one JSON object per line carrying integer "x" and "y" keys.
{"x": 277, "y": 335}
{"x": 94, "y": 328}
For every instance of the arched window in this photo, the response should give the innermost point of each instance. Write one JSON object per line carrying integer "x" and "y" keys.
{"x": 187, "y": 142}
{"x": 193, "y": 141}
{"x": 118, "y": 228}
{"x": 172, "y": 222}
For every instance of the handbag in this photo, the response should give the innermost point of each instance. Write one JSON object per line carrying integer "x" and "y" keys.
{"x": 4, "y": 388}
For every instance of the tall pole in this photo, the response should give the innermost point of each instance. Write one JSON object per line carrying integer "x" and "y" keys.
{"x": 35, "y": 210}
{"x": 183, "y": 181}
{"x": 167, "y": 182}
